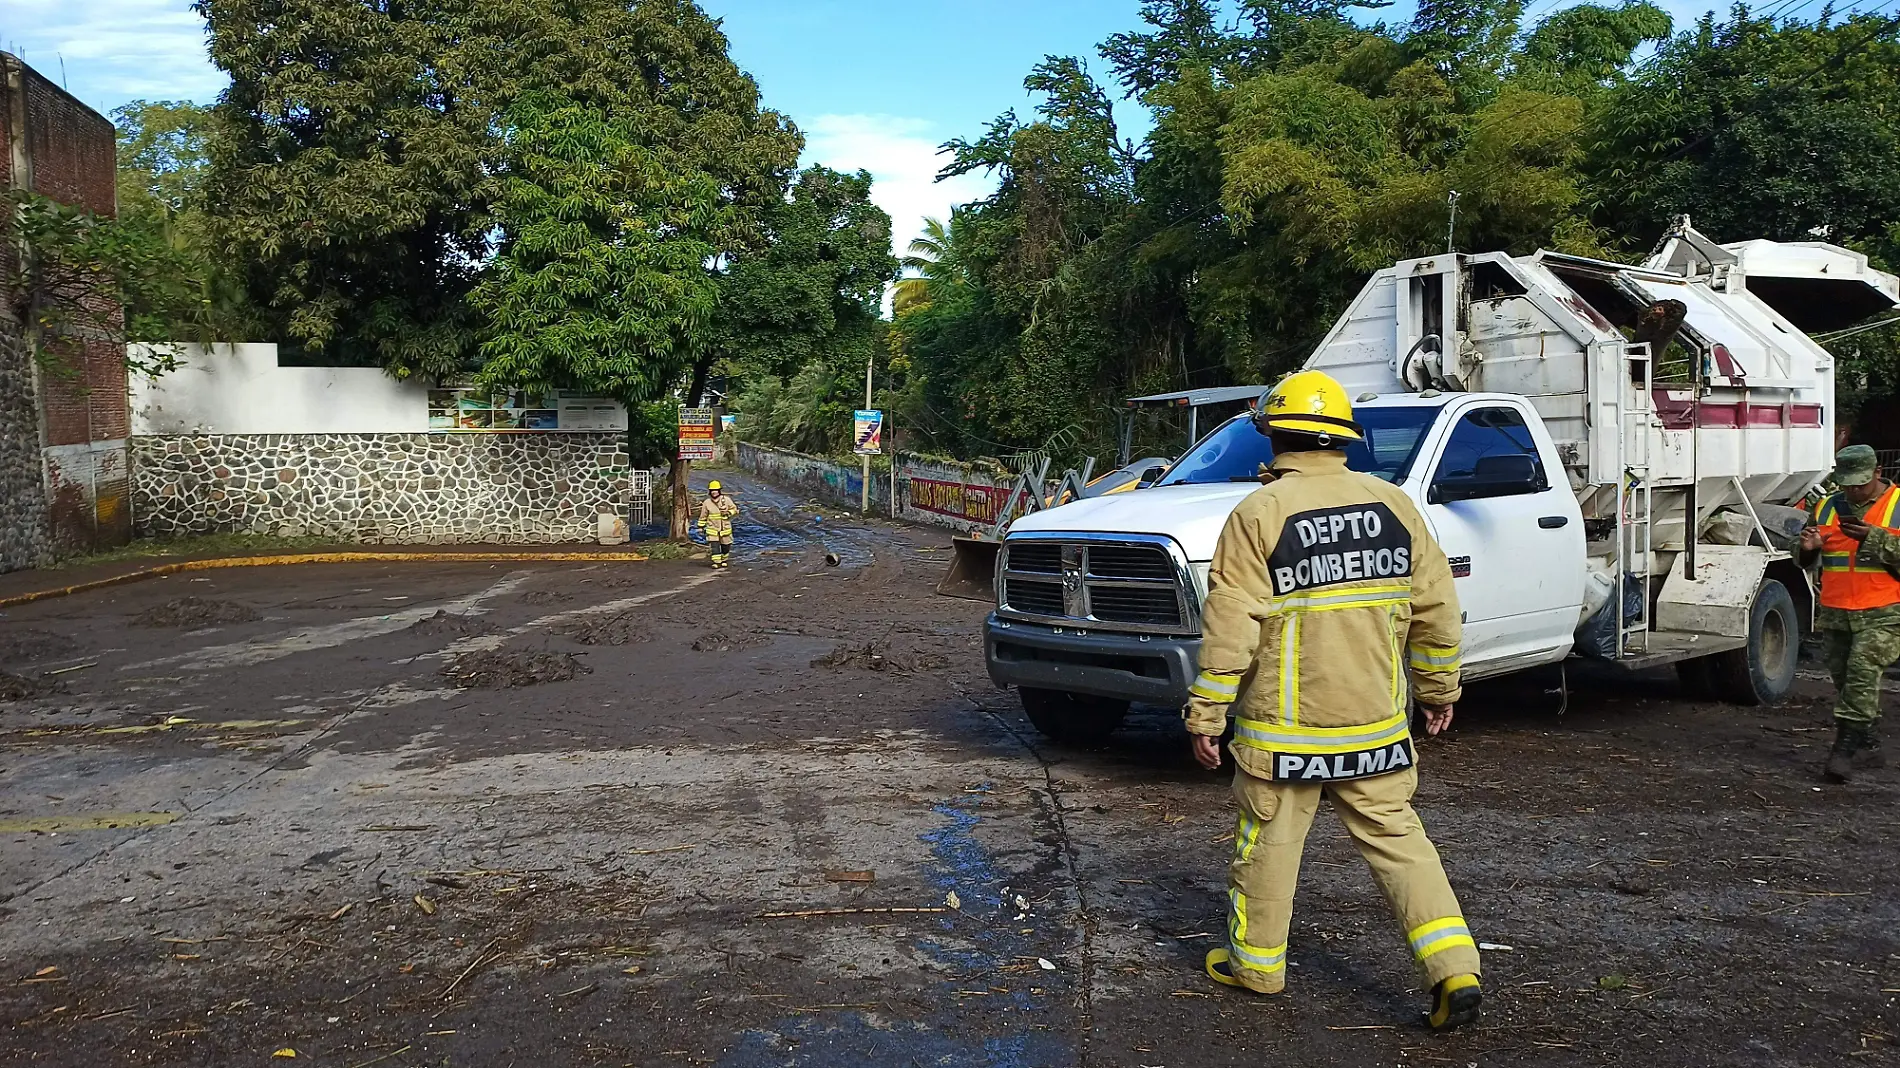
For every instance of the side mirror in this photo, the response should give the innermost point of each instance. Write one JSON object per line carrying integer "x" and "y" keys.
{"x": 1509, "y": 475}
{"x": 1151, "y": 476}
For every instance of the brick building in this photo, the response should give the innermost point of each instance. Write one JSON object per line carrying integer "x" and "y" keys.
{"x": 63, "y": 417}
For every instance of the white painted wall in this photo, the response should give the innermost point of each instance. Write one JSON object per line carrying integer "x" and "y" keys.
{"x": 240, "y": 389}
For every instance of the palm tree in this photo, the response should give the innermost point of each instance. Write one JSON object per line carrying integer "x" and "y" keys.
{"x": 934, "y": 259}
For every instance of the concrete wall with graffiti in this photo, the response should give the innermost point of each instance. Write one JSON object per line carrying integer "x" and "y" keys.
{"x": 962, "y": 497}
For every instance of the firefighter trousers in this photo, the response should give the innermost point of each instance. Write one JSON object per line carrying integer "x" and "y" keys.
{"x": 1377, "y": 812}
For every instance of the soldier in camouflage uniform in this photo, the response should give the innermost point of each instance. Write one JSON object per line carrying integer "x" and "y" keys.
{"x": 1855, "y": 540}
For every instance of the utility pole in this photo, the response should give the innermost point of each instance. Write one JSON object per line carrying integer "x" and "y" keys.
{"x": 1451, "y": 225}
{"x": 864, "y": 502}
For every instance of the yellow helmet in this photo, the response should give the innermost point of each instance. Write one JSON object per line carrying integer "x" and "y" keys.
{"x": 1308, "y": 402}
{"x": 713, "y": 485}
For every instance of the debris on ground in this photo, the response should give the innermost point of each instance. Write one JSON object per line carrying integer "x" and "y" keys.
{"x": 195, "y": 612}
{"x": 545, "y": 597}
{"x": 622, "y": 629}
{"x": 867, "y": 657}
{"x": 879, "y": 657}
{"x": 495, "y": 670}
{"x": 446, "y": 622}
{"x": 721, "y": 642}
{"x": 20, "y": 687}
{"x": 29, "y": 643}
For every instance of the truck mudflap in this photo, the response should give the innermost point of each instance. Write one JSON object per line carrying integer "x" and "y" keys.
{"x": 1149, "y": 669}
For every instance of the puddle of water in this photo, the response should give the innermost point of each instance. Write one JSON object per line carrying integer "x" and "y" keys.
{"x": 962, "y": 865}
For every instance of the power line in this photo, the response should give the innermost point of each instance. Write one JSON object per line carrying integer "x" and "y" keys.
{"x": 1852, "y": 330}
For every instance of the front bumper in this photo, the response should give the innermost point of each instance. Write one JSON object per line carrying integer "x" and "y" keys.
{"x": 1150, "y": 669}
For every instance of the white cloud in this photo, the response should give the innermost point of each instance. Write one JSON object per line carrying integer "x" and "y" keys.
{"x": 901, "y": 154}
{"x": 114, "y": 50}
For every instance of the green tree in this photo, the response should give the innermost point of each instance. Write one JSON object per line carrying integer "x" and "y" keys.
{"x": 600, "y": 283}
{"x": 358, "y": 156}
{"x": 800, "y": 320}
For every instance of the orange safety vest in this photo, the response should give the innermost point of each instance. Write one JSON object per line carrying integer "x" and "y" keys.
{"x": 1845, "y": 581}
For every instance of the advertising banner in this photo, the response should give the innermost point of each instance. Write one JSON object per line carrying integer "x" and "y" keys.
{"x": 867, "y": 434}
{"x": 698, "y": 433}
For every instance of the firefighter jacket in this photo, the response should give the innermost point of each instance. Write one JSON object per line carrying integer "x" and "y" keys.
{"x": 1860, "y": 580}
{"x": 715, "y": 517}
{"x": 1329, "y": 608}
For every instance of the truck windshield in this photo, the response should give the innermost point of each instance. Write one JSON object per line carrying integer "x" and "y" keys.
{"x": 1236, "y": 451}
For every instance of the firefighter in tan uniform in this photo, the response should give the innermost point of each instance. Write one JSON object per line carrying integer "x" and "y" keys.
{"x": 1330, "y": 609}
{"x": 715, "y": 519}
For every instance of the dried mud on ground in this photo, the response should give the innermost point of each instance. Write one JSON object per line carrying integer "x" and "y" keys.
{"x": 446, "y": 622}
{"x": 195, "y": 612}
{"x": 490, "y": 670}
{"x": 20, "y": 687}
{"x": 221, "y": 844}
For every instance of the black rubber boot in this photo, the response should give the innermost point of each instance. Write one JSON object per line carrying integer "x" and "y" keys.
{"x": 1849, "y": 739}
{"x": 1870, "y": 755}
{"x": 1454, "y": 1003}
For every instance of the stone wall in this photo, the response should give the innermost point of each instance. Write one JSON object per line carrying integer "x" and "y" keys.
{"x": 394, "y": 488}
{"x": 23, "y": 528}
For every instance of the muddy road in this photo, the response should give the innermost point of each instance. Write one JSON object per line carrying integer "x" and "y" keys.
{"x": 646, "y": 814}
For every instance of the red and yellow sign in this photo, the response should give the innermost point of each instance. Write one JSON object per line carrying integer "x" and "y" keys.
{"x": 699, "y": 431}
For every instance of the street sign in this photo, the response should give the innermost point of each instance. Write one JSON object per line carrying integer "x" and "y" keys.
{"x": 698, "y": 432}
{"x": 867, "y": 434}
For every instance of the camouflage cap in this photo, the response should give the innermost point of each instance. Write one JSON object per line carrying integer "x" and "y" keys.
{"x": 1856, "y": 465}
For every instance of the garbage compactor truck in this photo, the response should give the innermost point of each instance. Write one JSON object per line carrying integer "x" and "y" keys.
{"x": 1612, "y": 456}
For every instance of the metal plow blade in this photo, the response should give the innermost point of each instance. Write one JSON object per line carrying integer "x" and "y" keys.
{"x": 972, "y": 572}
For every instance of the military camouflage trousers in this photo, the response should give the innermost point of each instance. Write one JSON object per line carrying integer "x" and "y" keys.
{"x": 1858, "y": 660}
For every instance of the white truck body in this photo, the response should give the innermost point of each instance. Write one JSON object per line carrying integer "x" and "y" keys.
{"x": 1655, "y": 471}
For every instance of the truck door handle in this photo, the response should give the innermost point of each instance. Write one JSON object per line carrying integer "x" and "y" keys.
{"x": 1554, "y": 522}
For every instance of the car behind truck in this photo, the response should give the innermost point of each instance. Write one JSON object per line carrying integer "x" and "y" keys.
{"x": 1610, "y": 455}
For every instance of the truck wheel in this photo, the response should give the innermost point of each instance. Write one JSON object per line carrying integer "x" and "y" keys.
{"x": 1075, "y": 718}
{"x": 1762, "y": 672}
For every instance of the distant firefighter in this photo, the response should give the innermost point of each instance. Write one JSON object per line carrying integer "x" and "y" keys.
{"x": 715, "y": 518}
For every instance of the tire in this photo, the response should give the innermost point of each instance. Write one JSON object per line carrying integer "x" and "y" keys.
{"x": 1072, "y": 718}
{"x": 1762, "y": 672}
{"x": 1697, "y": 679}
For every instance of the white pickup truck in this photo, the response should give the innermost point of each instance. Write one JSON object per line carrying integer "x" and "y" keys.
{"x": 1606, "y": 453}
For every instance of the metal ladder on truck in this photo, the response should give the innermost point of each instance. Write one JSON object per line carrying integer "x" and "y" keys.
{"x": 1636, "y": 427}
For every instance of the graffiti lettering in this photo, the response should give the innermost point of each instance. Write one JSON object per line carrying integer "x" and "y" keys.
{"x": 975, "y": 503}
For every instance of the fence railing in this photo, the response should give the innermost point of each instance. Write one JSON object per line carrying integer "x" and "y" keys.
{"x": 640, "y": 499}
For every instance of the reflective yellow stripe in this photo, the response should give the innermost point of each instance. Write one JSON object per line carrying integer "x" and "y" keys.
{"x": 1359, "y": 597}
{"x": 1893, "y": 501}
{"x": 1246, "y": 834}
{"x": 1434, "y": 658}
{"x": 1837, "y": 562}
{"x": 1220, "y": 687}
{"x": 1290, "y": 671}
{"x": 1289, "y": 738}
{"x": 1257, "y": 958}
{"x": 1440, "y": 935}
{"x": 1398, "y": 683}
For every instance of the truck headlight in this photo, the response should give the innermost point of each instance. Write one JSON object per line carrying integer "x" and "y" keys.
{"x": 1200, "y": 578}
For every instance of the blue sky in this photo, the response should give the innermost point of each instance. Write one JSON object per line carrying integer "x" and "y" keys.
{"x": 874, "y": 84}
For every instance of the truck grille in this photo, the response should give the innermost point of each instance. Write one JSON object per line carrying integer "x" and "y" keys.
{"x": 1134, "y": 585}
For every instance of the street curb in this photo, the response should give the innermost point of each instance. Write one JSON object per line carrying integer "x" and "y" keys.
{"x": 302, "y": 558}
